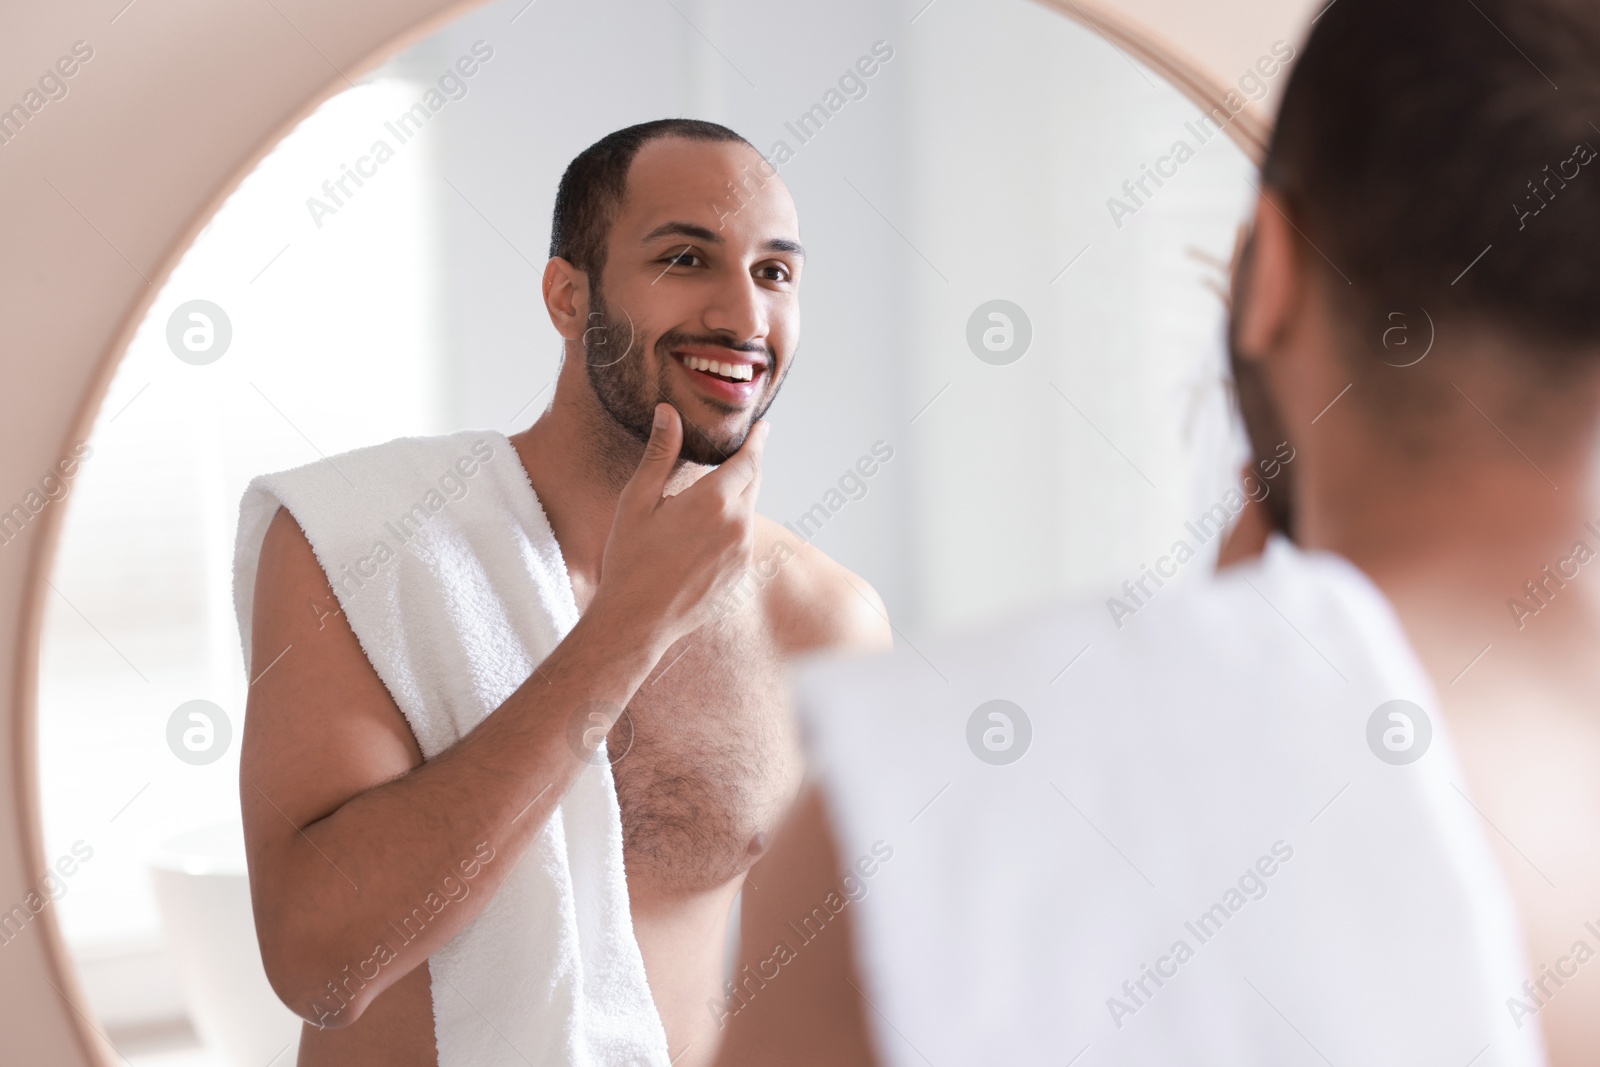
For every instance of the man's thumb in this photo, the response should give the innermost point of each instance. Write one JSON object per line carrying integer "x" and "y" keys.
{"x": 660, "y": 452}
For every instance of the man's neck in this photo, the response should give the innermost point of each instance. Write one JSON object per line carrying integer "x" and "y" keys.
{"x": 1452, "y": 537}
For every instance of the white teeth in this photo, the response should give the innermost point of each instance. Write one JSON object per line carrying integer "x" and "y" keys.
{"x": 742, "y": 372}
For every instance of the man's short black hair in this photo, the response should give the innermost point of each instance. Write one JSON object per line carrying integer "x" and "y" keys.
{"x": 592, "y": 188}
{"x": 1414, "y": 136}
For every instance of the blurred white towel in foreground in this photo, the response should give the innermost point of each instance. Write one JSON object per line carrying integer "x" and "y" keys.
{"x": 448, "y": 572}
{"x": 1199, "y": 859}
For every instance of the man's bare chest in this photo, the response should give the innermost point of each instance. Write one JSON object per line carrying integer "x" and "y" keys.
{"x": 706, "y": 758}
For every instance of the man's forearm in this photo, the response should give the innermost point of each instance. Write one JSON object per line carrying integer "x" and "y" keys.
{"x": 340, "y": 890}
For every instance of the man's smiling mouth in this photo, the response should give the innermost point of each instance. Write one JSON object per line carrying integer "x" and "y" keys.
{"x": 737, "y": 371}
{"x": 733, "y": 372}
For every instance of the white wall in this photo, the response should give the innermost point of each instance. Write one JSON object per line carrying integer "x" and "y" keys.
{"x": 1024, "y": 125}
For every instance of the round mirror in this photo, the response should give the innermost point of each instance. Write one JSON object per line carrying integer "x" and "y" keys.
{"x": 1017, "y": 225}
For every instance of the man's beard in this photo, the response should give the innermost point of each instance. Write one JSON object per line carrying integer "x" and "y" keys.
{"x": 621, "y": 382}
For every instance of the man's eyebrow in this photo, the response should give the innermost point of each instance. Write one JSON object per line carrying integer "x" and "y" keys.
{"x": 783, "y": 244}
{"x": 702, "y": 233}
{"x": 682, "y": 229}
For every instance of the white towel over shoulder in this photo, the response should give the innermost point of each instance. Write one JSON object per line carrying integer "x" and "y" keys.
{"x": 1161, "y": 831}
{"x": 447, "y": 570}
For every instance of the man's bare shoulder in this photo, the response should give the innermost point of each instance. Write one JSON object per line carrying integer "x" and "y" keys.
{"x": 811, "y": 602}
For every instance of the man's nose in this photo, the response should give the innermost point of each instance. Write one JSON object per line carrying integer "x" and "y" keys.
{"x": 738, "y": 307}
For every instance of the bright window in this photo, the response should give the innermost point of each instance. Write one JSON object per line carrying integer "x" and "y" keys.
{"x": 332, "y": 346}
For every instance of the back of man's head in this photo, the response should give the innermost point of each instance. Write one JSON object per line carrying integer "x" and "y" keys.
{"x": 1444, "y": 154}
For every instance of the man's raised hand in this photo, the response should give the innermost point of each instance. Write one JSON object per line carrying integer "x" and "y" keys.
{"x": 668, "y": 557}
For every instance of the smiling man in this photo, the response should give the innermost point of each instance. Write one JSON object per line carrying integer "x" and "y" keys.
{"x": 453, "y": 756}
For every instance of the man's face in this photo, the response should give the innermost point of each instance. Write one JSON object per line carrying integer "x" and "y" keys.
{"x": 699, "y": 304}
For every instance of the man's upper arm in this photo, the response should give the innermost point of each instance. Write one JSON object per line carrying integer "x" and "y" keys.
{"x": 813, "y": 1011}
{"x": 320, "y": 725}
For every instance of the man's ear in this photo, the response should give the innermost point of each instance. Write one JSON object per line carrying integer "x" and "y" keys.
{"x": 1273, "y": 282}
{"x": 566, "y": 297}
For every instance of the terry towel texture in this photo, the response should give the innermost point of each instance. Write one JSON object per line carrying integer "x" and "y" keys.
{"x": 1199, "y": 858}
{"x": 447, "y": 570}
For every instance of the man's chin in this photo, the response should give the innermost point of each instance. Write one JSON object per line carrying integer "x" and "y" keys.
{"x": 709, "y": 437}
{"x": 710, "y": 447}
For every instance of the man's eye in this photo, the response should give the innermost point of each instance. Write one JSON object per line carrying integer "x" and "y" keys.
{"x": 780, "y": 272}
{"x": 680, "y": 259}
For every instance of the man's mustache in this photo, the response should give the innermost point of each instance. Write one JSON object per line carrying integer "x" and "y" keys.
{"x": 674, "y": 339}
